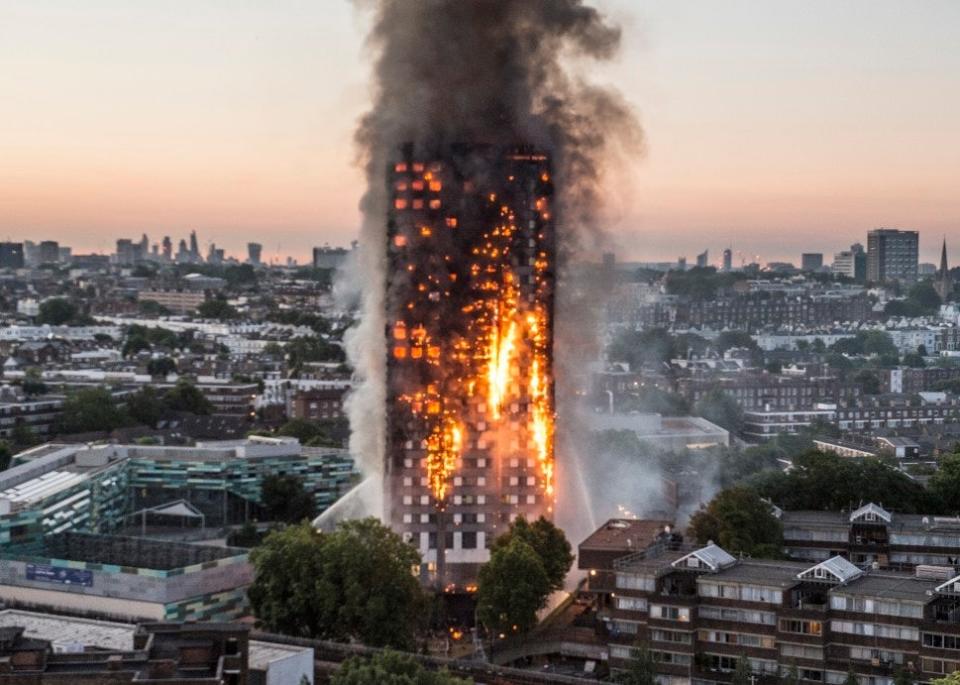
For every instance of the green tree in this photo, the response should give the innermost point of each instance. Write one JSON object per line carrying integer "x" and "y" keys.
{"x": 868, "y": 381}
{"x": 6, "y": 455}
{"x": 792, "y": 676}
{"x": 186, "y": 397}
{"x": 549, "y": 543}
{"x": 23, "y": 435}
{"x": 738, "y": 520}
{"x": 303, "y": 430}
{"x": 827, "y": 482}
{"x": 353, "y": 584}
{"x": 952, "y": 679}
{"x": 286, "y": 500}
{"x": 651, "y": 346}
{"x": 945, "y": 483}
{"x": 851, "y": 678}
{"x": 218, "y": 309}
{"x": 642, "y": 669}
{"x": 162, "y": 366}
{"x": 146, "y": 407}
{"x": 33, "y": 382}
{"x": 134, "y": 343}
{"x": 903, "y": 677}
{"x": 512, "y": 587}
{"x": 91, "y": 410}
{"x": 742, "y": 674}
{"x": 56, "y": 311}
{"x": 720, "y": 408}
{"x": 391, "y": 668}
{"x": 730, "y": 339}
{"x": 914, "y": 360}
{"x": 313, "y": 349}
{"x": 878, "y": 342}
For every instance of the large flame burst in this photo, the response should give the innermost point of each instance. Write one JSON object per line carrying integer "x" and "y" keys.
{"x": 472, "y": 332}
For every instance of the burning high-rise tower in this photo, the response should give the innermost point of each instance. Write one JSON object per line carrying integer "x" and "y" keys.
{"x": 452, "y": 408}
{"x": 470, "y": 405}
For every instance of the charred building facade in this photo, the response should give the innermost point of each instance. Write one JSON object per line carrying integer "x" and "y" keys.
{"x": 470, "y": 394}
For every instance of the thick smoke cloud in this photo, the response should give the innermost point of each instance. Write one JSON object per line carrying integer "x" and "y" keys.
{"x": 478, "y": 71}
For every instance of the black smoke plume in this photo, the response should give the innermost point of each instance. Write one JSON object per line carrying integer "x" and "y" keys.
{"x": 492, "y": 72}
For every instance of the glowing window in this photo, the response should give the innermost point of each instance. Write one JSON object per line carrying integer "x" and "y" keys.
{"x": 399, "y": 240}
{"x": 400, "y": 203}
{"x": 400, "y": 352}
{"x": 416, "y": 353}
{"x": 436, "y": 186}
{"x": 400, "y": 168}
{"x": 418, "y": 167}
{"x": 451, "y": 222}
{"x": 418, "y": 204}
{"x": 434, "y": 204}
{"x": 417, "y": 185}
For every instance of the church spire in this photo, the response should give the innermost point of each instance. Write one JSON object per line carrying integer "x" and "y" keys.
{"x": 944, "y": 284}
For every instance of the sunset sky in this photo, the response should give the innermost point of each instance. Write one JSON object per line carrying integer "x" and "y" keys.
{"x": 771, "y": 126}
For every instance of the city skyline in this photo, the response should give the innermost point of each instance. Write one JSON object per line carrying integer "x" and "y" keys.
{"x": 214, "y": 120}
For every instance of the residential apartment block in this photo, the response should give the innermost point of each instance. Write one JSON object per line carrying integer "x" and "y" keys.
{"x": 701, "y": 611}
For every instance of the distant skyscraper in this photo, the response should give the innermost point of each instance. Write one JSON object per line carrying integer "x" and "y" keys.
{"x": 11, "y": 256}
{"x": 126, "y": 251}
{"x": 194, "y": 247}
{"x": 811, "y": 261}
{"x": 944, "y": 284}
{"x": 183, "y": 255}
{"x": 682, "y": 263}
{"x": 703, "y": 258}
{"x": 892, "y": 255}
{"x": 49, "y": 252}
{"x": 167, "y": 248}
{"x": 844, "y": 264}
{"x": 327, "y": 257}
{"x": 728, "y": 260}
{"x": 254, "y": 250}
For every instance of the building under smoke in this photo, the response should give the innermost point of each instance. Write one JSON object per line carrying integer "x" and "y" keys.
{"x": 469, "y": 313}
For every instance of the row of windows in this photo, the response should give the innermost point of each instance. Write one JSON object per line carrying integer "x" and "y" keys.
{"x": 800, "y": 627}
{"x": 875, "y": 630}
{"x": 738, "y": 615}
{"x": 871, "y": 605}
{"x": 743, "y": 639}
{"x": 941, "y": 641}
{"x": 745, "y": 593}
{"x": 632, "y": 581}
{"x": 670, "y": 613}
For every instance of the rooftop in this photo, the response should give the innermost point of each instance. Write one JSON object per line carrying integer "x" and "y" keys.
{"x": 624, "y": 534}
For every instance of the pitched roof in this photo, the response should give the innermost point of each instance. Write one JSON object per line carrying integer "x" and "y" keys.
{"x": 871, "y": 511}
{"x": 836, "y": 570}
{"x": 711, "y": 557}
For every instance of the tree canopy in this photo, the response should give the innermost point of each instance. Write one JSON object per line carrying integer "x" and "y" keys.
{"x": 945, "y": 483}
{"x": 512, "y": 587}
{"x": 720, "y": 408}
{"x": 58, "y": 311}
{"x": 549, "y": 543}
{"x": 391, "y": 668}
{"x": 353, "y": 584}
{"x": 285, "y": 499}
{"x": 218, "y": 309}
{"x": 827, "y": 482}
{"x": 91, "y": 410}
{"x": 738, "y": 520}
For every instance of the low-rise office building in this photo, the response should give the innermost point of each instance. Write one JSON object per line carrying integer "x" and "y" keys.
{"x": 95, "y": 488}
